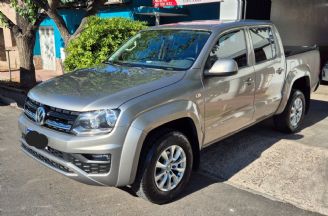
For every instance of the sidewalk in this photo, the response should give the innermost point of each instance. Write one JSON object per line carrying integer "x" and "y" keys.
{"x": 41, "y": 75}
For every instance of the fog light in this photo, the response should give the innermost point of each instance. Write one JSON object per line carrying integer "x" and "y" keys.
{"x": 98, "y": 157}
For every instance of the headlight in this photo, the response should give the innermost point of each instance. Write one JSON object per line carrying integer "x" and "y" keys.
{"x": 97, "y": 122}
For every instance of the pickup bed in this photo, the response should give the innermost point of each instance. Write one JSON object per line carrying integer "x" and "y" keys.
{"x": 141, "y": 118}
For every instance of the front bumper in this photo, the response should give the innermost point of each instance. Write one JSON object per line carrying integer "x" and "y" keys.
{"x": 69, "y": 144}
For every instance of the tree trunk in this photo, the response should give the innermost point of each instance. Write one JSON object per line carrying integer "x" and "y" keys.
{"x": 61, "y": 25}
{"x": 25, "y": 45}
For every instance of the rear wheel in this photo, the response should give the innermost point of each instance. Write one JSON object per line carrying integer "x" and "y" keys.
{"x": 167, "y": 168}
{"x": 292, "y": 118}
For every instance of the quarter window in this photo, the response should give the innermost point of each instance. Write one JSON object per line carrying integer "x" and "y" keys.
{"x": 263, "y": 44}
{"x": 230, "y": 46}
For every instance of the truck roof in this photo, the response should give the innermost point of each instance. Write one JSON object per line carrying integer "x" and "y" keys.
{"x": 212, "y": 24}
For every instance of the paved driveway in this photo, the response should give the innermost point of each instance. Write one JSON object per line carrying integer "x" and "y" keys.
{"x": 256, "y": 172}
{"x": 291, "y": 168}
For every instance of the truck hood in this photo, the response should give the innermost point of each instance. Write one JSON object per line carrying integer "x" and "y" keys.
{"x": 102, "y": 87}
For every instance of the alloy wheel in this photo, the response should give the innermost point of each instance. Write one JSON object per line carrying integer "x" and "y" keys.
{"x": 170, "y": 168}
{"x": 296, "y": 112}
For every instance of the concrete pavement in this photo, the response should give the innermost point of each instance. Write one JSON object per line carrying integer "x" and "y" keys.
{"x": 256, "y": 172}
{"x": 292, "y": 168}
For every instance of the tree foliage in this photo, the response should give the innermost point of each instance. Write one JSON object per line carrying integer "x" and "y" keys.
{"x": 99, "y": 38}
{"x": 27, "y": 9}
{"x": 29, "y": 15}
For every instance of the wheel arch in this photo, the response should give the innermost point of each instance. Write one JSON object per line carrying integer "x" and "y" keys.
{"x": 303, "y": 84}
{"x": 299, "y": 78}
{"x": 184, "y": 125}
{"x": 183, "y": 116}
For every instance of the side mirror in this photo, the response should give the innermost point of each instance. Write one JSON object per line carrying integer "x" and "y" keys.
{"x": 223, "y": 67}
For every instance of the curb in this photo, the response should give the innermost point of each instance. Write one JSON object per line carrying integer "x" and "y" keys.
{"x": 12, "y": 89}
{"x": 9, "y": 101}
{"x": 12, "y": 96}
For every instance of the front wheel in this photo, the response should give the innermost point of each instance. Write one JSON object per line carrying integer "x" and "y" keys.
{"x": 169, "y": 168}
{"x": 291, "y": 119}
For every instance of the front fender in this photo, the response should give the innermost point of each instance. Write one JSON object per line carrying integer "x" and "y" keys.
{"x": 295, "y": 74}
{"x": 145, "y": 123}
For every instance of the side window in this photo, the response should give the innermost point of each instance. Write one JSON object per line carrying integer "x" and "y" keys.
{"x": 263, "y": 43}
{"x": 230, "y": 46}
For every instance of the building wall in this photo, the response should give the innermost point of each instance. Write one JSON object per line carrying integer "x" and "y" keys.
{"x": 7, "y": 41}
{"x": 208, "y": 11}
{"x": 302, "y": 23}
{"x": 231, "y": 10}
{"x": 74, "y": 17}
{"x": 71, "y": 17}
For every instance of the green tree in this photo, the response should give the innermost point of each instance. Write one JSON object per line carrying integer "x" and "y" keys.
{"x": 29, "y": 15}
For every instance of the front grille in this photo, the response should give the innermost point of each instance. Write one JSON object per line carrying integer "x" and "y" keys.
{"x": 47, "y": 160}
{"x": 57, "y": 119}
{"x": 91, "y": 168}
{"x": 88, "y": 167}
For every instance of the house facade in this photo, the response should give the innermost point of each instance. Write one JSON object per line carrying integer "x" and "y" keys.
{"x": 49, "y": 46}
{"x": 49, "y": 49}
{"x": 7, "y": 42}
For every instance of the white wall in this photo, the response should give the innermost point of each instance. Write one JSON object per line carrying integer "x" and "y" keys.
{"x": 230, "y": 9}
{"x": 301, "y": 22}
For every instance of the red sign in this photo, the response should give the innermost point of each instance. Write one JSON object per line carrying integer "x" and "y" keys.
{"x": 163, "y": 3}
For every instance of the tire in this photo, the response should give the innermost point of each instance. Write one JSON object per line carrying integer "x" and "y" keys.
{"x": 146, "y": 186}
{"x": 285, "y": 122}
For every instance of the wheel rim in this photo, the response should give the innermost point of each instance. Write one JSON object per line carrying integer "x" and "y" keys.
{"x": 296, "y": 112}
{"x": 170, "y": 168}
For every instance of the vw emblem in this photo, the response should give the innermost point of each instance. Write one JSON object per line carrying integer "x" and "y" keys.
{"x": 40, "y": 115}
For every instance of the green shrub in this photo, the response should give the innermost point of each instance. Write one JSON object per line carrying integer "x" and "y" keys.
{"x": 99, "y": 39}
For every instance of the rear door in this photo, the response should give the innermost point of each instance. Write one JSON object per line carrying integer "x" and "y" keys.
{"x": 269, "y": 66}
{"x": 229, "y": 99}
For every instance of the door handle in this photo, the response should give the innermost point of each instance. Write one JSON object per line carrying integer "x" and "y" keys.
{"x": 280, "y": 70}
{"x": 249, "y": 81}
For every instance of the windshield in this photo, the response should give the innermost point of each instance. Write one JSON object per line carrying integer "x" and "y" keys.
{"x": 164, "y": 49}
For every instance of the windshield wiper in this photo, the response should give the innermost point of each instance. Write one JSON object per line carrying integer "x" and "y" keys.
{"x": 120, "y": 63}
{"x": 113, "y": 62}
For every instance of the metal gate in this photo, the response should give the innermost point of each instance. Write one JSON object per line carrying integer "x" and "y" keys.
{"x": 47, "y": 44}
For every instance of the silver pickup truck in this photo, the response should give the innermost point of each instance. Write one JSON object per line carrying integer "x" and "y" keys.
{"x": 141, "y": 118}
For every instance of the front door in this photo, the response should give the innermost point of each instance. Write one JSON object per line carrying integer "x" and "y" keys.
{"x": 229, "y": 100}
{"x": 47, "y": 44}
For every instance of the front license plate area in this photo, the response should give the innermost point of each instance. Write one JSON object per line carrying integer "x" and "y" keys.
{"x": 37, "y": 140}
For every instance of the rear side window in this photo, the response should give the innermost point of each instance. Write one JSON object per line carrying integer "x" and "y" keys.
{"x": 230, "y": 46}
{"x": 263, "y": 43}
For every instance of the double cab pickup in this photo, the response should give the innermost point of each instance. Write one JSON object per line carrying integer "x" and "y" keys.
{"x": 141, "y": 118}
